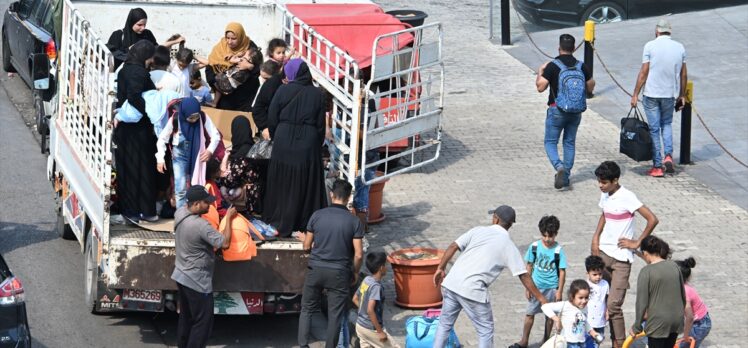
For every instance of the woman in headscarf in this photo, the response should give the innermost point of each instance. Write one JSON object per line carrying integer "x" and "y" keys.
{"x": 136, "y": 142}
{"x": 235, "y": 42}
{"x": 122, "y": 40}
{"x": 241, "y": 177}
{"x": 295, "y": 181}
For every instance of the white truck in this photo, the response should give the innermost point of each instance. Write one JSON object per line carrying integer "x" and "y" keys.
{"x": 128, "y": 267}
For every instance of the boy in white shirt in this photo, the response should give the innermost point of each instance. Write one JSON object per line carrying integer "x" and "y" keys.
{"x": 597, "y": 309}
{"x": 614, "y": 240}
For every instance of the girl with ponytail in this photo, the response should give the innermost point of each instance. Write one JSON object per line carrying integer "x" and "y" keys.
{"x": 698, "y": 323}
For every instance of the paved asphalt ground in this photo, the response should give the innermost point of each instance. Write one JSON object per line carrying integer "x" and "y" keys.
{"x": 491, "y": 155}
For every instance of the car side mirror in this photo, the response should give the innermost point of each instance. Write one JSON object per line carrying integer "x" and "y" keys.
{"x": 13, "y": 7}
{"x": 40, "y": 71}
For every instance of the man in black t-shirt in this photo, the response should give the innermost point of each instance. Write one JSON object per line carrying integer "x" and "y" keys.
{"x": 558, "y": 121}
{"x": 334, "y": 238}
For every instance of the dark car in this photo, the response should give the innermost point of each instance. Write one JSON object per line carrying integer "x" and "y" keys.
{"x": 576, "y": 12}
{"x": 28, "y": 34}
{"x": 14, "y": 326}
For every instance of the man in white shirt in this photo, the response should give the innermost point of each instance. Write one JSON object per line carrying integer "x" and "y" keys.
{"x": 485, "y": 252}
{"x": 664, "y": 71}
{"x": 614, "y": 240}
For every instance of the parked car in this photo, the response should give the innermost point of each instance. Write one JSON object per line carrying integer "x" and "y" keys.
{"x": 576, "y": 12}
{"x": 14, "y": 326}
{"x": 27, "y": 35}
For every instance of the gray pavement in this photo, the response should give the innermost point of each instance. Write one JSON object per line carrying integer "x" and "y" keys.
{"x": 716, "y": 44}
{"x": 493, "y": 154}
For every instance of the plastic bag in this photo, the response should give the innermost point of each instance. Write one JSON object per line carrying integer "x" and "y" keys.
{"x": 261, "y": 150}
{"x": 556, "y": 341}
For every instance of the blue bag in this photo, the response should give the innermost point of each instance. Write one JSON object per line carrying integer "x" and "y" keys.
{"x": 420, "y": 332}
{"x": 572, "y": 88}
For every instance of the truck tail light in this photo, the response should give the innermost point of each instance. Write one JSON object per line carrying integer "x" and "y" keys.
{"x": 51, "y": 50}
{"x": 11, "y": 292}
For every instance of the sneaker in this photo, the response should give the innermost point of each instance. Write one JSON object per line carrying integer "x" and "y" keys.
{"x": 669, "y": 167}
{"x": 153, "y": 218}
{"x": 558, "y": 181}
{"x": 656, "y": 172}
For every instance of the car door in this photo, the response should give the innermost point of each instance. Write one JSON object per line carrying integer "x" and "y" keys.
{"x": 29, "y": 37}
{"x": 12, "y": 25}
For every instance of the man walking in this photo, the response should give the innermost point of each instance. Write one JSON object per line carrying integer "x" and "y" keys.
{"x": 193, "y": 269}
{"x": 664, "y": 71}
{"x": 570, "y": 82}
{"x": 334, "y": 239}
{"x": 485, "y": 252}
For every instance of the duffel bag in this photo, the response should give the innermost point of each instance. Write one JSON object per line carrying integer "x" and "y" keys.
{"x": 420, "y": 332}
{"x": 636, "y": 142}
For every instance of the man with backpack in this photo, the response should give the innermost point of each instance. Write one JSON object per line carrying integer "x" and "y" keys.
{"x": 570, "y": 81}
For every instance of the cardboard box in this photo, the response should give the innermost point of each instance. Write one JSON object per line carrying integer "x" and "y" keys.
{"x": 223, "y": 118}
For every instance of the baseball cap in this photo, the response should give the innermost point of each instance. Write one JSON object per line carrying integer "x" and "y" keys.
{"x": 199, "y": 193}
{"x": 663, "y": 26}
{"x": 505, "y": 213}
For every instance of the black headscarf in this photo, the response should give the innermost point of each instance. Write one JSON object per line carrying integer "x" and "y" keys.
{"x": 241, "y": 137}
{"x": 140, "y": 52}
{"x": 129, "y": 37}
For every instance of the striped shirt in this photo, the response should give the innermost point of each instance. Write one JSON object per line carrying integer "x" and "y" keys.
{"x": 618, "y": 210}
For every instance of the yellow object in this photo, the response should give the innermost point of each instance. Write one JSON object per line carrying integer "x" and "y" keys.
{"x": 631, "y": 339}
{"x": 589, "y": 31}
{"x": 689, "y": 92}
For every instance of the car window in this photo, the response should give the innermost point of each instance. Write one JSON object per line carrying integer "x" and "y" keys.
{"x": 49, "y": 24}
{"x": 38, "y": 12}
{"x": 25, "y": 7}
{"x": 3, "y": 270}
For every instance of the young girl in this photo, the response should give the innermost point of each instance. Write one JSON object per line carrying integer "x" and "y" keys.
{"x": 186, "y": 134}
{"x": 573, "y": 315}
{"x": 277, "y": 51}
{"x": 698, "y": 323}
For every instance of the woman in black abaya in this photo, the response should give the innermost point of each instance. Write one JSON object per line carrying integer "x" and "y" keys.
{"x": 136, "y": 142}
{"x": 121, "y": 40}
{"x": 296, "y": 121}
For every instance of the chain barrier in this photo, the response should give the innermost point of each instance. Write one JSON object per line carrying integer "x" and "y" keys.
{"x": 623, "y": 89}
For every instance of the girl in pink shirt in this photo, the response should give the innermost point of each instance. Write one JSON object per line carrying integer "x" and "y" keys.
{"x": 698, "y": 324}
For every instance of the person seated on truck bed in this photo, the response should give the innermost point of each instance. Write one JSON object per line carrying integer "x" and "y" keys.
{"x": 122, "y": 40}
{"x": 234, "y": 43}
{"x": 295, "y": 179}
{"x": 136, "y": 142}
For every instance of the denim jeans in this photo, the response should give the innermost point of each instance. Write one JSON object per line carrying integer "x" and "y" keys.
{"x": 574, "y": 344}
{"x": 700, "y": 330}
{"x": 180, "y": 162}
{"x": 361, "y": 196}
{"x": 590, "y": 342}
{"x": 659, "y": 113}
{"x": 556, "y": 122}
{"x": 479, "y": 313}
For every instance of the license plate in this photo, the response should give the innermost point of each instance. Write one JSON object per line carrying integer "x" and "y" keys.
{"x": 142, "y": 295}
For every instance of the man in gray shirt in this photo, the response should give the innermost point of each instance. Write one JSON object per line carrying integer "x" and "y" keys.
{"x": 193, "y": 269}
{"x": 485, "y": 252}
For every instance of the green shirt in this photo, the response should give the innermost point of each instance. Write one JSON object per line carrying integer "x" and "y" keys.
{"x": 660, "y": 294}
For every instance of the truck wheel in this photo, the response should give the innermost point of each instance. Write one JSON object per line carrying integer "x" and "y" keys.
{"x": 42, "y": 126}
{"x": 7, "y": 65}
{"x": 63, "y": 229}
{"x": 91, "y": 275}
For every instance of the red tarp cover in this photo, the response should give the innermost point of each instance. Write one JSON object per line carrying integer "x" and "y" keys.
{"x": 352, "y": 27}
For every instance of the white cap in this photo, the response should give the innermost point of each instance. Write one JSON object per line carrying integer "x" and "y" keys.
{"x": 663, "y": 26}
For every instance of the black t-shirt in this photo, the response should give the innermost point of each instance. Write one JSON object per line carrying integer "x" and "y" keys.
{"x": 552, "y": 70}
{"x": 334, "y": 230}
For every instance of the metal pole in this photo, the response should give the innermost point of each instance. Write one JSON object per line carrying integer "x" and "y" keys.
{"x": 589, "y": 50}
{"x": 505, "y": 38}
{"x": 685, "y": 126}
{"x": 490, "y": 19}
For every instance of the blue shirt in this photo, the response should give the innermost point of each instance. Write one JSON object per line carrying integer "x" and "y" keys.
{"x": 544, "y": 272}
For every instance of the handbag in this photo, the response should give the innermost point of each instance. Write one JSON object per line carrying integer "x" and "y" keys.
{"x": 420, "y": 331}
{"x": 636, "y": 141}
{"x": 261, "y": 150}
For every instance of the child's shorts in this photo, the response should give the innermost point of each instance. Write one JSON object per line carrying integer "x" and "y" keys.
{"x": 533, "y": 306}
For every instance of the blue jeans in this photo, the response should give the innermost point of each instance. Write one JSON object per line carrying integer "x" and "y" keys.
{"x": 344, "y": 340}
{"x": 659, "y": 113}
{"x": 180, "y": 161}
{"x": 700, "y": 330}
{"x": 590, "y": 342}
{"x": 557, "y": 121}
{"x": 479, "y": 313}
{"x": 575, "y": 345}
{"x": 361, "y": 197}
